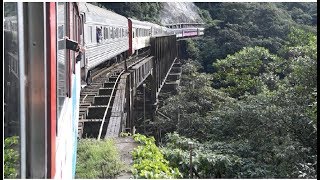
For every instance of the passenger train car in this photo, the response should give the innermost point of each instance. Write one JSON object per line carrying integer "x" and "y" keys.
{"x": 42, "y": 87}
{"x": 112, "y": 43}
{"x": 187, "y": 29}
{"x": 42, "y": 78}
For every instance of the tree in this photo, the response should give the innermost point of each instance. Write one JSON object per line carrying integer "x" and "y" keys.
{"x": 247, "y": 71}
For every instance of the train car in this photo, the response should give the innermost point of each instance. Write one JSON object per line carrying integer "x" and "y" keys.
{"x": 187, "y": 29}
{"x": 189, "y": 32}
{"x": 157, "y": 30}
{"x": 42, "y": 87}
{"x": 105, "y": 38}
{"x": 139, "y": 36}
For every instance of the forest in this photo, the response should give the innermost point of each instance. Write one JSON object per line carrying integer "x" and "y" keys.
{"x": 248, "y": 93}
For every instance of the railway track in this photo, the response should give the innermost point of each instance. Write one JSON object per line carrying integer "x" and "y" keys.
{"x": 96, "y": 99}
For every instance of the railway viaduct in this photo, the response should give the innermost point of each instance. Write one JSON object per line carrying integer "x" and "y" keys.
{"x": 118, "y": 99}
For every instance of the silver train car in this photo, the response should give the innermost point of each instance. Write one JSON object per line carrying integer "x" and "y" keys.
{"x": 140, "y": 35}
{"x": 105, "y": 38}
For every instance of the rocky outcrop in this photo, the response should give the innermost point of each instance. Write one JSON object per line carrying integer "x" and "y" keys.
{"x": 180, "y": 12}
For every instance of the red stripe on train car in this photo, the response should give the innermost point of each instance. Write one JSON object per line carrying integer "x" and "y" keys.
{"x": 52, "y": 87}
{"x": 130, "y": 36}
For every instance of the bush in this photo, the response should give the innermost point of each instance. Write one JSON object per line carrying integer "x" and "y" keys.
{"x": 98, "y": 159}
{"x": 149, "y": 162}
{"x": 11, "y": 157}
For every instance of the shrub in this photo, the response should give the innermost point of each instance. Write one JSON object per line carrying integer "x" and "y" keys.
{"x": 98, "y": 159}
{"x": 11, "y": 157}
{"x": 149, "y": 162}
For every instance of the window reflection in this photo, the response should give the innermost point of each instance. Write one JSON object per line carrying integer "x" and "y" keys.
{"x": 61, "y": 57}
{"x": 11, "y": 93}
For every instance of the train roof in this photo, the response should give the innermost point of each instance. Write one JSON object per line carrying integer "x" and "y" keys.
{"x": 140, "y": 23}
{"x": 93, "y": 10}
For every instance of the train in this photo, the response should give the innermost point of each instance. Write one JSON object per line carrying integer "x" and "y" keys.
{"x": 43, "y": 79}
{"x": 120, "y": 38}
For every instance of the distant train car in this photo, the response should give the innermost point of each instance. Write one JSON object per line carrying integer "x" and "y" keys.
{"x": 187, "y": 29}
{"x": 42, "y": 82}
{"x": 189, "y": 32}
{"x": 157, "y": 30}
{"x": 105, "y": 37}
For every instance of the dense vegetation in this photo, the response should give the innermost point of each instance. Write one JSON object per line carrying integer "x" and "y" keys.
{"x": 248, "y": 97}
{"x": 248, "y": 94}
{"x": 98, "y": 159}
{"x": 149, "y": 162}
{"x": 11, "y": 157}
{"x": 145, "y": 11}
{"x": 233, "y": 26}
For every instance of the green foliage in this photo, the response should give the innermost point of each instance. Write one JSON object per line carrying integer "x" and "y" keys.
{"x": 122, "y": 134}
{"x": 185, "y": 112}
{"x": 270, "y": 133}
{"x": 98, "y": 159}
{"x": 237, "y": 25}
{"x": 208, "y": 161}
{"x": 11, "y": 157}
{"x": 192, "y": 49}
{"x": 247, "y": 71}
{"x": 302, "y": 13}
{"x": 149, "y": 162}
{"x": 144, "y": 11}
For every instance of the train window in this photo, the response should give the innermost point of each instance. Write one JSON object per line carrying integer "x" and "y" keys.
{"x": 11, "y": 88}
{"x": 75, "y": 37}
{"x": 137, "y": 32}
{"x": 90, "y": 33}
{"x": 106, "y": 33}
{"x": 61, "y": 58}
{"x": 123, "y": 34}
{"x": 60, "y": 31}
{"x": 118, "y": 35}
{"x": 111, "y": 32}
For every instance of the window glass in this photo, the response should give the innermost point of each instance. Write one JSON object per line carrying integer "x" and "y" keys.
{"x": 90, "y": 33}
{"x": 61, "y": 57}
{"x": 117, "y": 33}
{"x": 75, "y": 37}
{"x": 111, "y": 33}
{"x": 106, "y": 33}
{"x": 11, "y": 91}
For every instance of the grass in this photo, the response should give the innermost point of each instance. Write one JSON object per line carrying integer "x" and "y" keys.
{"x": 98, "y": 159}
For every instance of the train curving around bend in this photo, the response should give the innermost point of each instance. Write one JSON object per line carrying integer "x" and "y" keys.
{"x": 43, "y": 77}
